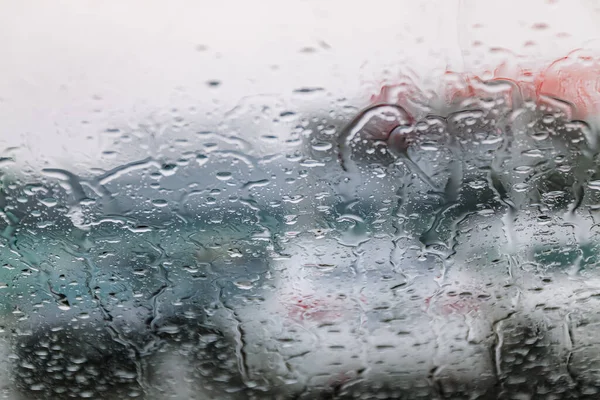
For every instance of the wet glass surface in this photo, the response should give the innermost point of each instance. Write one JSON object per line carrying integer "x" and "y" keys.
{"x": 182, "y": 229}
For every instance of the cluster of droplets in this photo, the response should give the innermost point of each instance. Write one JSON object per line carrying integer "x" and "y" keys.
{"x": 384, "y": 245}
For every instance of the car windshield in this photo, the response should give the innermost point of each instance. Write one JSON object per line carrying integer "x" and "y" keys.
{"x": 377, "y": 204}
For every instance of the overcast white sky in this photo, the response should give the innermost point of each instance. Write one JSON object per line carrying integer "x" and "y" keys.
{"x": 113, "y": 62}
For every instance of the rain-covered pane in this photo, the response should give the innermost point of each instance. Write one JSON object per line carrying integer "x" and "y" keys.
{"x": 300, "y": 200}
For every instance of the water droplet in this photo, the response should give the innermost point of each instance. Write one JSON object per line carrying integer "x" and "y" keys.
{"x": 540, "y": 135}
{"x": 244, "y": 285}
{"x": 234, "y": 253}
{"x": 523, "y": 169}
{"x": 160, "y": 203}
{"x": 478, "y": 184}
{"x": 49, "y": 201}
{"x": 224, "y": 175}
{"x": 168, "y": 169}
{"x": 201, "y": 159}
{"x": 520, "y": 187}
{"x": 594, "y": 185}
{"x": 321, "y": 146}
